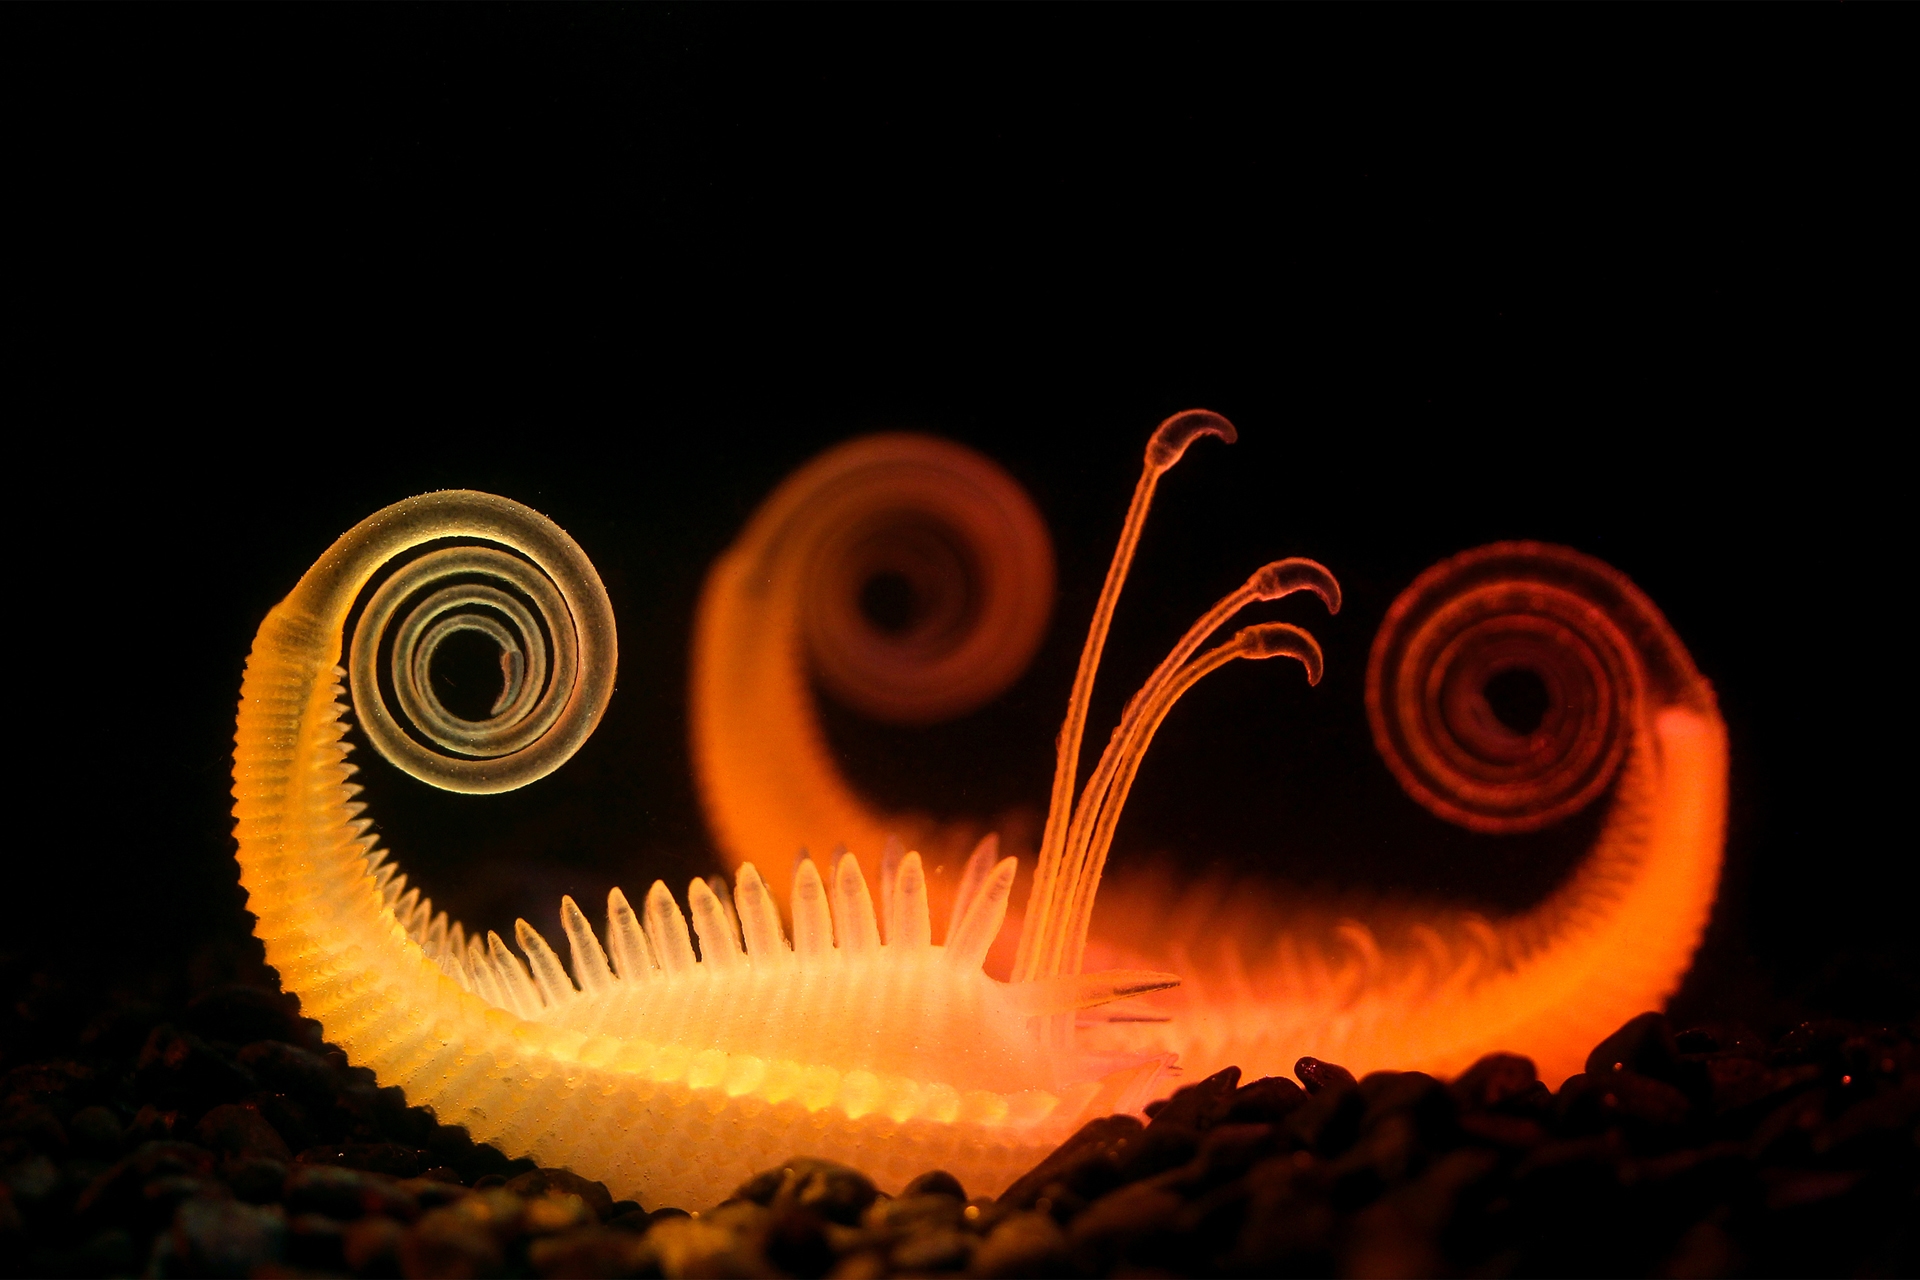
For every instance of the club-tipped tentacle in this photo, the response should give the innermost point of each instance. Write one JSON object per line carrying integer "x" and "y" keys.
{"x": 1168, "y": 444}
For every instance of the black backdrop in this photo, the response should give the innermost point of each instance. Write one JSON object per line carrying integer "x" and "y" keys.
{"x": 1456, "y": 279}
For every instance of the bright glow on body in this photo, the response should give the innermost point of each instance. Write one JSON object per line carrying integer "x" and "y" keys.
{"x": 665, "y": 1075}
{"x": 843, "y": 1031}
{"x": 1267, "y": 980}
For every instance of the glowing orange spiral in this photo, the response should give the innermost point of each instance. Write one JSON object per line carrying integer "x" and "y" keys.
{"x": 928, "y": 577}
{"x": 1617, "y": 709}
{"x": 1574, "y": 625}
{"x": 910, "y": 577}
{"x": 1619, "y": 714}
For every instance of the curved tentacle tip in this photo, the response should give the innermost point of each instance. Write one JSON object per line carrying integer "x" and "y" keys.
{"x": 1281, "y": 640}
{"x": 1295, "y": 573}
{"x": 1171, "y": 438}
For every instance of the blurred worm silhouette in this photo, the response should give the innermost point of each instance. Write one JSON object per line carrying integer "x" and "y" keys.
{"x": 1626, "y": 716}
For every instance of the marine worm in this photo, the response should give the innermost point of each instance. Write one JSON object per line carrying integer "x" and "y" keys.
{"x": 1627, "y": 721}
{"x": 670, "y": 1075}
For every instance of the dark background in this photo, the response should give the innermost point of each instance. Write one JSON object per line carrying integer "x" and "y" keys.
{"x": 1456, "y": 278}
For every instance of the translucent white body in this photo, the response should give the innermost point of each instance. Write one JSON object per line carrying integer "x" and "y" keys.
{"x": 672, "y": 1077}
{"x": 669, "y": 1078}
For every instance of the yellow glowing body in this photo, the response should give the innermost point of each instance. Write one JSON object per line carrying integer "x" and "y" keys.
{"x": 668, "y": 1078}
{"x": 672, "y": 1078}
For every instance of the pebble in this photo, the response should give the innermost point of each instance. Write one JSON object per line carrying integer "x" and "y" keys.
{"x": 216, "y": 1237}
{"x": 226, "y": 1138}
{"x": 543, "y": 1182}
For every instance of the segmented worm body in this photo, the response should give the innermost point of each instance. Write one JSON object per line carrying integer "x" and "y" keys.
{"x": 844, "y": 1031}
{"x": 1627, "y": 717}
{"x": 1627, "y": 721}
{"x": 665, "y": 1074}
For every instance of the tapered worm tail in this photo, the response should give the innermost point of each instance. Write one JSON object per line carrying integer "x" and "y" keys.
{"x": 1617, "y": 709}
{"x": 1602, "y": 654}
{"x": 330, "y": 910}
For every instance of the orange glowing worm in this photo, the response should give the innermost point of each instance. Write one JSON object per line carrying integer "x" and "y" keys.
{"x": 782, "y": 607}
{"x": 673, "y": 1075}
{"x": 1266, "y": 981}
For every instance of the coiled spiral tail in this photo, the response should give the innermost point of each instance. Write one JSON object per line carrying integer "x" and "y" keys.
{"x": 1505, "y": 684}
{"x": 545, "y": 608}
{"x": 638, "y": 1075}
{"x": 927, "y": 572}
{"x": 912, "y": 579}
{"x": 1616, "y": 706}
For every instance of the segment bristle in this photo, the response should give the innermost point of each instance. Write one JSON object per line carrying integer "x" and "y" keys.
{"x": 911, "y": 924}
{"x": 967, "y": 946}
{"x": 723, "y": 893}
{"x": 812, "y": 923}
{"x": 512, "y": 977}
{"x": 434, "y": 941}
{"x": 667, "y": 931}
{"x": 632, "y": 957}
{"x": 853, "y": 919}
{"x": 986, "y": 855}
{"x": 889, "y": 873}
{"x": 719, "y": 945}
{"x": 589, "y": 961}
{"x": 759, "y": 918}
{"x": 736, "y": 927}
{"x": 549, "y": 978}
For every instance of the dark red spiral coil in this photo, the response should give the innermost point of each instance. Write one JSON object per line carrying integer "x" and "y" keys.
{"x": 1596, "y": 646}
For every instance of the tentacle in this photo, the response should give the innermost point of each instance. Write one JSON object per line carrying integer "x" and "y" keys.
{"x": 512, "y": 979}
{"x": 1166, "y": 447}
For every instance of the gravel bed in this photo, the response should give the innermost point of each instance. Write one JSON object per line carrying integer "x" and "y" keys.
{"x": 225, "y": 1138}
